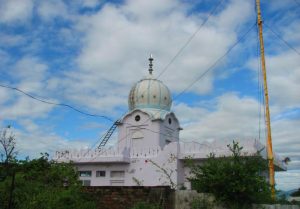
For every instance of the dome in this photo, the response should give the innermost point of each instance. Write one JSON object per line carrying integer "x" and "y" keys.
{"x": 150, "y": 93}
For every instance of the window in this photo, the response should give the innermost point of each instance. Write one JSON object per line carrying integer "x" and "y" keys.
{"x": 100, "y": 173}
{"x": 86, "y": 182}
{"x": 85, "y": 173}
{"x": 117, "y": 174}
{"x": 170, "y": 121}
{"x": 137, "y": 118}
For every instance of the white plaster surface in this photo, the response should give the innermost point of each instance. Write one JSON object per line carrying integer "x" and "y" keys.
{"x": 149, "y": 151}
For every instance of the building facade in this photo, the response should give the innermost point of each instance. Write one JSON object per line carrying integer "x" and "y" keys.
{"x": 148, "y": 151}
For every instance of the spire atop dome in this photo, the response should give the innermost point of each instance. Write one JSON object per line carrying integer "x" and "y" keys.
{"x": 150, "y": 93}
{"x": 150, "y": 64}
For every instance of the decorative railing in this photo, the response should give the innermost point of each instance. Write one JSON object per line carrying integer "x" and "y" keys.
{"x": 218, "y": 148}
{"x": 109, "y": 154}
{"x": 194, "y": 150}
{"x": 202, "y": 150}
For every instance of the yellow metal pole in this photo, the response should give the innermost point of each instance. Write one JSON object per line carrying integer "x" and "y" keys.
{"x": 268, "y": 122}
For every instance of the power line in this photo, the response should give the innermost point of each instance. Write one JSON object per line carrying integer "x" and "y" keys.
{"x": 284, "y": 41}
{"x": 190, "y": 38}
{"x": 53, "y": 103}
{"x": 102, "y": 116}
{"x": 166, "y": 67}
{"x": 186, "y": 43}
{"x": 210, "y": 68}
{"x": 198, "y": 78}
{"x": 201, "y": 76}
{"x": 216, "y": 62}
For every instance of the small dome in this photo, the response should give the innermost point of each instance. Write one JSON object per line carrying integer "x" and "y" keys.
{"x": 150, "y": 93}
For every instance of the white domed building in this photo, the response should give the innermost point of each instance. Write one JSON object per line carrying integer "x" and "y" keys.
{"x": 149, "y": 151}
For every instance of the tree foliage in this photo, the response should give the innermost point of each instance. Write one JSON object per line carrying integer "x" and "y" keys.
{"x": 235, "y": 180}
{"x": 44, "y": 184}
{"x": 296, "y": 193}
{"x": 39, "y": 183}
{"x": 7, "y": 145}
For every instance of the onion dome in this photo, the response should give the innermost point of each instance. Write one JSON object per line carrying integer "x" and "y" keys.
{"x": 150, "y": 93}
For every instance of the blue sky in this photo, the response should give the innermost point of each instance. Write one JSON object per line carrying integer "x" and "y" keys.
{"x": 89, "y": 53}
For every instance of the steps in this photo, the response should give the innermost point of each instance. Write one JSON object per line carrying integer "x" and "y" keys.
{"x": 108, "y": 134}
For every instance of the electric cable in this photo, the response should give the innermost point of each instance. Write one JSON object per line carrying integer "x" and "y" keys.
{"x": 205, "y": 72}
{"x": 216, "y": 62}
{"x": 202, "y": 75}
{"x": 165, "y": 68}
{"x": 280, "y": 38}
{"x": 198, "y": 78}
{"x": 190, "y": 38}
{"x": 54, "y": 103}
{"x": 188, "y": 41}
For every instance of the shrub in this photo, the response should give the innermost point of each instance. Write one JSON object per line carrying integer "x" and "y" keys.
{"x": 234, "y": 180}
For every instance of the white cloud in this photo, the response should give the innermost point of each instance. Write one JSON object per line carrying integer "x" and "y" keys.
{"x": 11, "y": 40}
{"x": 15, "y": 109}
{"x": 50, "y": 9}
{"x": 28, "y": 74}
{"x": 4, "y": 57}
{"x": 283, "y": 75}
{"x": 118, "y": 39}
{"x": 15, "y": 10}
{"x": 43, "y": 141}
{"x": 231, "y": 17}
{"x": 236, "y": 117}
{"x": 288, "y": 180}
{"x": 285, "y": 134}
{"x": 29, "y": 69}
{"x": 4, "y": 95}
{"x": 189, "y": 115}
{"x": 90, "y": 3}
{"x": 114, "y": 44}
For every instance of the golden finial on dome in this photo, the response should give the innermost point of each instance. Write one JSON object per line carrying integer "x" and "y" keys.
{"x": 150, "y": 64}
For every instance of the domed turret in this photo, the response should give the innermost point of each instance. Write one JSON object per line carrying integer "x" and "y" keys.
{"x": 150, "y": 93}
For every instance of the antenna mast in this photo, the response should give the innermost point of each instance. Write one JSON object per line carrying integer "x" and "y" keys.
{"x": 268, "y": 122}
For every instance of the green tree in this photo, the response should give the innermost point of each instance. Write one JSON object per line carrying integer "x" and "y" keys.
{"x": 296, "y": 193}
{"x": 44, "y": 184}
{"x": 7, "y": 146}
{"x": 39, "y": 183}
{"x": 235, "y": 180}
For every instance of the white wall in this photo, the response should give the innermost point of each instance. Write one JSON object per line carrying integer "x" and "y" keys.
{"x": 148, "y": 171}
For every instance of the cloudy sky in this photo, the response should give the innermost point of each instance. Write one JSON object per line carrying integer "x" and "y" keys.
{"x": 88, "y": 54}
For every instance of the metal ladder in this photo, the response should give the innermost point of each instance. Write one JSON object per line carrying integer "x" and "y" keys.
{"x": 108, "y": 134}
